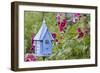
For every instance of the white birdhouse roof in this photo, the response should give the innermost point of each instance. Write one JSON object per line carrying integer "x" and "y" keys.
{"x": 42, "y": 31}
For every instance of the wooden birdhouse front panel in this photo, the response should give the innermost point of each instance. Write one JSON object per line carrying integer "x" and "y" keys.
{"x": 47, "y": 44}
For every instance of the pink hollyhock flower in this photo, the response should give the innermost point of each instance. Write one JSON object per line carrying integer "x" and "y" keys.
{"x": 64, "y": 20}
{"x": 62, "y": 24}
{"x": 61, "y": 27}
{"x": 81, "y": 34}
{"x": 29, "y": 57}
{"x": 58, "y": 17}
{"x": 61, "y": 21}
{"x": 75, "y": 17}
{"x": 58, "y": 22}
{"x": 78, "y": 30}
{"x": 77, "y": 14}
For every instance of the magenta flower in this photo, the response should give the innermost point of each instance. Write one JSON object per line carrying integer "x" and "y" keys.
{"x": 78, "y": 29}
{"x": 54, "y": 35}
{"x": 77, "y": 14}
{"x": 32, "y": 49}
{"x": 61, "y": 27}
{"x": 58, "y": 17}
{"x": 61, "y": 21}
{"x": 64, "y": 20}
{"x": 81, "y": 34}
{"x": 29, "y": 57}
{"x": 58, "y": 22}
{"x": 62, "y": 24}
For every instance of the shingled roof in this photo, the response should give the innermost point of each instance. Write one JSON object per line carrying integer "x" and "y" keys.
{"x": 42, "y": 32}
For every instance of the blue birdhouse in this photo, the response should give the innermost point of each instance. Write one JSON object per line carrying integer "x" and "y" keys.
{"x": 43, "y": 41}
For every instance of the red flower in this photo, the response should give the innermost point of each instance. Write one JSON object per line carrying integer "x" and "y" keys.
{"x": 65, "y": 21}
{"x": 81, "y": 34}
{"x": 77, "y": 14}
{"x": 61, "y": 21}
{"x": 61, "y": 28}
{"x": 32, "y": 49}
{"x": 62, "y": 24}
{"x": 54, "y": 35}
{"x": 78, "y": 29}
{"x": 58, "y": 22}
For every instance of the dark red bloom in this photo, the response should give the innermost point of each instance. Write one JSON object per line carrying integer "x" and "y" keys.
{"x": 79, "y": 29}
{"x": 62, "y": 24}
{"x": 32, "y": 41}
{"x": 54, "y": 35}
{"x": 65, "y": 21}
{"x": 58, "y": 22}
{"x": 32, "y": 49}
{"x": 81, "y": 34}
